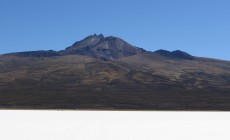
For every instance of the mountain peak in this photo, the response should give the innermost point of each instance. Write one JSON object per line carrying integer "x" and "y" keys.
{"x": 104, "y": 48}
{"x": 88, "y": 41}
{"x": 101, "y": 36}
{"x": 175, "y": 54}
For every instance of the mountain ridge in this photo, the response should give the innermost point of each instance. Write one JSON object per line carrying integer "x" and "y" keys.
{"x": 104, "y": 48}
{"x": 97, "y": 46}
{"x": 51, "y": 53}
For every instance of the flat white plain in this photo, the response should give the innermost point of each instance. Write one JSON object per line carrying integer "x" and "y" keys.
{"x": 113, "y": 125}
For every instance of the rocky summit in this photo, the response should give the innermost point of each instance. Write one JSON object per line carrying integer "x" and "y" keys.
{"x": 104, "y": 48}
{"x": 108, "y": 73}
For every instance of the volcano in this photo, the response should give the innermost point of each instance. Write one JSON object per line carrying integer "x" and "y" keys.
{"x": 108, "y": 73}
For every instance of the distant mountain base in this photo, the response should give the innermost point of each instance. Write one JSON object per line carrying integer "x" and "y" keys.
{"x": 60, "y": 100}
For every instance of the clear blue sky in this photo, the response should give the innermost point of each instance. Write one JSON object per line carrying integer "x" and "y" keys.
{"x": 199, "y": 27}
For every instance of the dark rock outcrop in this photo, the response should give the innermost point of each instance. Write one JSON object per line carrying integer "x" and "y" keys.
{"x": 175, "y": 54}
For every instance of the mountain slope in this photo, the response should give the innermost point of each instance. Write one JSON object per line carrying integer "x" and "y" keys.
{"x": 198, "y": 73}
